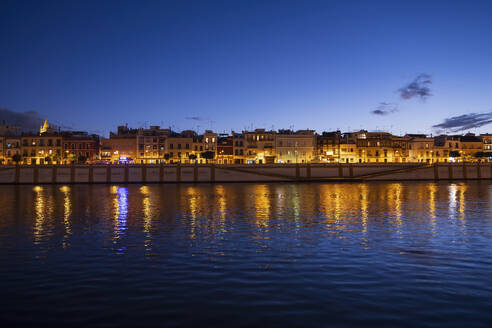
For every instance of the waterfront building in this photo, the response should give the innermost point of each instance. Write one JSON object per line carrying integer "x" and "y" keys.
{"x": 11, "y": 147}
{"x": 9, "y": 142}
{"x": 381, "y": 147}
{"x": 79, "y": 146}
{"x": 43, "y": 148}
{"x": 347, "y": 148}
{"x": 486, "y": 142}
{"x": 210, "y": 140}
{"x": 295, "y": 147}
{"x": 225, "y": 149}
{"x": 179, "y": 146}
{"x": 151, "y": 145}
{"x": 421, "y": 149}
{"x": 471, "y": 148}
{"x": 328, "y": 147}
{"x": 487, "y": 146}
{"x": 449, "y": 147}
{"x": 239, "y": 147}
{"x": 121, "y": 147}
{"x": 260, "y": 146}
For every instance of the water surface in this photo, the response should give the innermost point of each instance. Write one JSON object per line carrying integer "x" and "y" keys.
{"x": 284, "y": 255}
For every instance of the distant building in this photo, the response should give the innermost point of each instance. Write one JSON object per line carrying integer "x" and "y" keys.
{"x": 295, "y": 147}
{"x": 239, "y": 147}
{"x": 260, "y": 146}
{"x": 225, "y": 149}
{"x": 78, "y": 145}
{"x": 121, "y": 146}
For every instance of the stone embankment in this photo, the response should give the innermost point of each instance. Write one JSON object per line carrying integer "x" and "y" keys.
{"x": 63, "y": 174}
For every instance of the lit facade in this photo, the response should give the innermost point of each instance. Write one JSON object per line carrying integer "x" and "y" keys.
{"x": 259, "y": 146}
{"x": 295, "y": 147}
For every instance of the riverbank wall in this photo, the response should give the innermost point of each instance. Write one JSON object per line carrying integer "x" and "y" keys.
{"x": 78, "y": 173}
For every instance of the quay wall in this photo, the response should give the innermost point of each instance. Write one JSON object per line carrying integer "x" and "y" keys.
{"x": 189, "y": 173}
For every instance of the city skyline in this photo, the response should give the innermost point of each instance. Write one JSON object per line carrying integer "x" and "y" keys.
{"x": 316, "y": 65}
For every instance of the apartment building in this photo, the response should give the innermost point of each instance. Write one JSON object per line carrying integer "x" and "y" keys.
{"x": 79, "y": 146}
{"x": 260, "y": 146}
{"x": 295, "y": 147}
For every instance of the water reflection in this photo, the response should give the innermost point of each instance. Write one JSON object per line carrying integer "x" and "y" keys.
{"x": 343, "y": 210}
{"x": 397, "y": 248}
{"x": 148, "y": 213}
{"x": 67, "y": 212}
{"x": 40, "y": 210}
{"x": 120, "y": 213}
{"x": 457, "y": 204}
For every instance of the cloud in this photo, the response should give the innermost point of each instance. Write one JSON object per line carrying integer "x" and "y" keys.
{"x": 418, "y": 88}
{"x": 465, "y": 122}
{"x": 195, "y": 118}
{"x": 28, "y": 121}
{"x": 385, "y": 108}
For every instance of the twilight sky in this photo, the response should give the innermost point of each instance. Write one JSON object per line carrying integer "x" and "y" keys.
{"x": 232, "y": 65}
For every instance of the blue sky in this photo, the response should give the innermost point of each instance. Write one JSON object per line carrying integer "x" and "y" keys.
{"x": 245, "y": 64}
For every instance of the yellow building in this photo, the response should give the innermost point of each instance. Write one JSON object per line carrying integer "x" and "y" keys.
{"x": 295, "y": 147}
{"x": 121, "y": 147}
{"x": 381, "y": 147}
{"x": 259, "y": 146}
{"x": 471, "y": 146}
{"x": 41, "y": 149}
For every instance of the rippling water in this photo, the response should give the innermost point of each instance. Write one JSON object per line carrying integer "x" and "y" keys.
{"x": 378, "y": 254}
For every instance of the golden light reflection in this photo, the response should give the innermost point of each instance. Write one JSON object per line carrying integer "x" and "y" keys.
{"x": 457, "y": 198}
{"x": 67, "y": 212}
{"x": 333, "y": 205}
{"x": 262, "y": 205}
{"x": 394, "y": 200}
{"x": 432, "y": 206}
{"x": 364, "y": 206}
{"x": 193, "y": 202}
{"x": 39, "y": 207}
{"x": 147, "y": 216}
{"x": 222, "y": 204}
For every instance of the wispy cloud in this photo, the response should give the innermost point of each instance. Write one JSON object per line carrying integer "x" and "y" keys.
{"x": 418, "y": 88}
{"x": 28, "y": 121}
{"x": 195, "y": 118}
{"x": 385, "y": 108}
{"x": 464, "y": 122}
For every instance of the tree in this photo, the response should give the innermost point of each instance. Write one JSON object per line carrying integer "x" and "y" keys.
{"x": 47, "y": 159}
{"x": 17, "y": 158}
{"x": 72, "y": 158}
{"x": 166, "y": 157}
{"x": 57, "y": 158}
{"x": 192, "y": 157}
{"x": 454, "y": 153}
{"x": 207, "y": 155}
{"x": 82, "y": 159}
